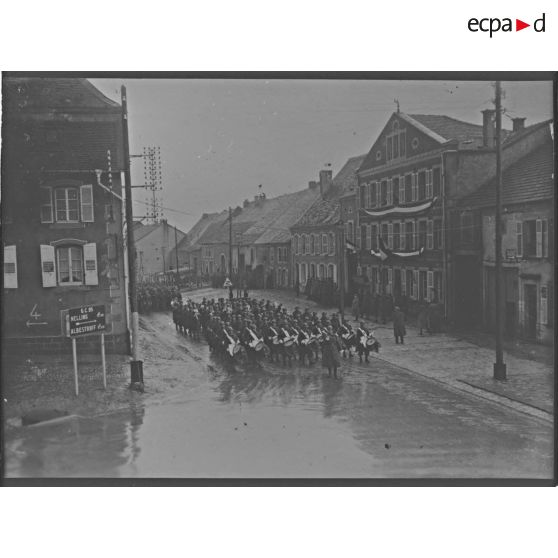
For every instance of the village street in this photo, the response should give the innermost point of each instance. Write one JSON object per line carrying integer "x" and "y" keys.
{"x": 200, "y": 418}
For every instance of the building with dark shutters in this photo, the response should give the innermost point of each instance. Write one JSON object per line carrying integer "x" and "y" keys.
{"x": 315, "y": 237}
{"x": 527, "y": 245}
{"x": 417, "y": 170}
{"x": 62, "y": 157}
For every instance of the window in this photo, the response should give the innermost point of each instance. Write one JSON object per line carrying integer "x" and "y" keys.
{"x": 68, "y": 265}
{"x": 373, "y": 195}
{"x": 295, "y": 244}
{"x": 438, "y": 238}
{"x": 331, "y": 271}
{"x": 311, "y": 244}
{"x": 317, "y": 243}
{"x": 271, "y": 255}
{"x": 374, "y": 237}
{"x": 414, "y": 182}
{"x": 395, "y": 143}
{"x": 408, "y": 188}
{"x": 436, "y": 181}
{"x": 402, "y": 237}
{"x": 396, "y": 235}
{"x": 66, "y": 204}
{"x": 321, "y": 271}
{"x": 409, "y": 236}
{"x": 423, "y": 287}
{"x": 325, "y": 247}
{"x": 384, "y": 230}
{"x": 421, "y": 234}
{"x": 384, "y": 192}
{"x": 304, "y": 244}
{"x": 363, "y": 231}
{"x": 429, "y": 235}
{"x": 331, "y": 244}
{"x": 395, "y": 190}
{"x": 410, "y": 283}
{"x": 422, "y": 185}
{"x": 390, "y": 236}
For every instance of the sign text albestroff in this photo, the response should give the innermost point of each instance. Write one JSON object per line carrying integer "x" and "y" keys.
{"x": 87, "y": 320}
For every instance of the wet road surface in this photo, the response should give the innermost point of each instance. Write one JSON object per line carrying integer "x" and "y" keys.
{"x": 376, "y": 421}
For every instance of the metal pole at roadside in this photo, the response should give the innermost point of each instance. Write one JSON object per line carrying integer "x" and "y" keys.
{"x": 74, "y": 355}
{"x": 499, "y": 365}
{"x": 103, "y": 360}
{"x": 136, "y": 365}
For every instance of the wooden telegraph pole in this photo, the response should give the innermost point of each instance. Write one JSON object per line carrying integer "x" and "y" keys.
{"x": 136, "y": 365}
{"x": 499, "y": 365}
{"x": 341, "y": 274}
{"x": 176, "y": 254}
{"x": 230, "y": 242}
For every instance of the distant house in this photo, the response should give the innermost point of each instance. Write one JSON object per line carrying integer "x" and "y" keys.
{"x": 62, "y": 157}
{"x": 155, "y": 248}
{"x": 258, "y": 242}
{"x": 315, "y": 236}
{"x": 527, "y": 244}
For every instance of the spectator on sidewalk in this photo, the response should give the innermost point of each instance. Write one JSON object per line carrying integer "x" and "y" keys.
{"x": 399, "y": 330}
{"x": 355, "y": 307}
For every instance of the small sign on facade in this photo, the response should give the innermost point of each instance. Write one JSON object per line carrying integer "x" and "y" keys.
{"x": 86, "y": 320}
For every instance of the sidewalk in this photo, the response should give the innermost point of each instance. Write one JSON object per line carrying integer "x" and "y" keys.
{"x": 451, "y": 359}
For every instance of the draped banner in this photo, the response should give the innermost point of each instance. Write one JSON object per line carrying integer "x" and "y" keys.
{"x": 399, "y": 210}
{"x": 384, "y": 253}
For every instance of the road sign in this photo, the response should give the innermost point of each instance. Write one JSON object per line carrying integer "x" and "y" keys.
{"x": 86, "y": 320}
{"x": 227, "y": 283}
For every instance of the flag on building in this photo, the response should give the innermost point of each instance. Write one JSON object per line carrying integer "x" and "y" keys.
{"x": 384, "y": 253}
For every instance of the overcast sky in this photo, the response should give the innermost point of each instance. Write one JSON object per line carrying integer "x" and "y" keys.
{"x": 220, "y": 139}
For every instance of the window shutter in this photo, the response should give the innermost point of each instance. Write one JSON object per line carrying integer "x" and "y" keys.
{"x": 429, "y": 234}
{"x": 10, "y": 267}
{"x": 86, "y": 197}
{"x": 90, "y": 259}
{"x": 390, "y": 236}
{"x": 402, "y": 189}
{"x": 402, "y": 237}
{"x": 378, "y": 194}
{"x": 414, "y": 185}
{"x": 390, "y": 280}
{"x": 390, "y": 192}
{"x": 403, "y": 284}
{"x": 519, "y": 231}
{"x": 48, "y": 267}
{"x": 545, "y": 238}
{"x": 429, "y": 183}
{"x": 544, "y": 305}
{"x": 414, "y": 238}
{"x": 415, "y": 284}
{"x": 47, "y": 215}
{"x": 429, "y": 284}
{"x": 539, "y": 238}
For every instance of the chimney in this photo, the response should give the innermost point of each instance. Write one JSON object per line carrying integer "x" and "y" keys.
{"x": 488, "y": 127}
{"x": 312, "y": 184}
{"x": 518, "y": 124}
{"x": 325, "y": 181}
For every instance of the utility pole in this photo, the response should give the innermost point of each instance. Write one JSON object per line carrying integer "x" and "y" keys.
{"x": 135, "y": 364}
{"x": 176, "y": 254}
{"x": 342, "y": 270}
{"x": 230, "y": 241}
{"x": 499, "y": 365}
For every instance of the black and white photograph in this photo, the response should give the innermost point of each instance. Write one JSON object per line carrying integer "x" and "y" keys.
{"x": 263, "y": 277}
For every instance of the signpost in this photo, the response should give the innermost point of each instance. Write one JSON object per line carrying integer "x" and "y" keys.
{"x": 82, "y": 321}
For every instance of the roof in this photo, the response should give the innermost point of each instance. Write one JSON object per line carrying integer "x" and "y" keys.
{"x": 143, "y": 231}
{"x": 64, "y": 94}
{"x": 325, "y": 211}
{"x": 85, "y": 124}
{"x": 528, "y": 180}
{"x": 263, "y": 221}
{"x": 448, "y": 128}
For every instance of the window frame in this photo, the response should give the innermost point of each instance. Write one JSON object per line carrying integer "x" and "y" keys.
{"x": 69, "y": 247}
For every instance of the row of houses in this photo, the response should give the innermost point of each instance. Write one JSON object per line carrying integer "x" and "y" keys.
{"x": 413, "y": 219}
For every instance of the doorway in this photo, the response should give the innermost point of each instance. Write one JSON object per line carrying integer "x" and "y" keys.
{"x": 530, "y": 298}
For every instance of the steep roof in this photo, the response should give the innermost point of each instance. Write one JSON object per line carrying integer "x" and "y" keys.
{"x": 202, "y": 225}
{"x": 530, "y": 179}
{"x": 449, "y": 128}
{"x": 64, "y": 94}
{"x": 325, "y": 211}
{"x": 263, "y": 221}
